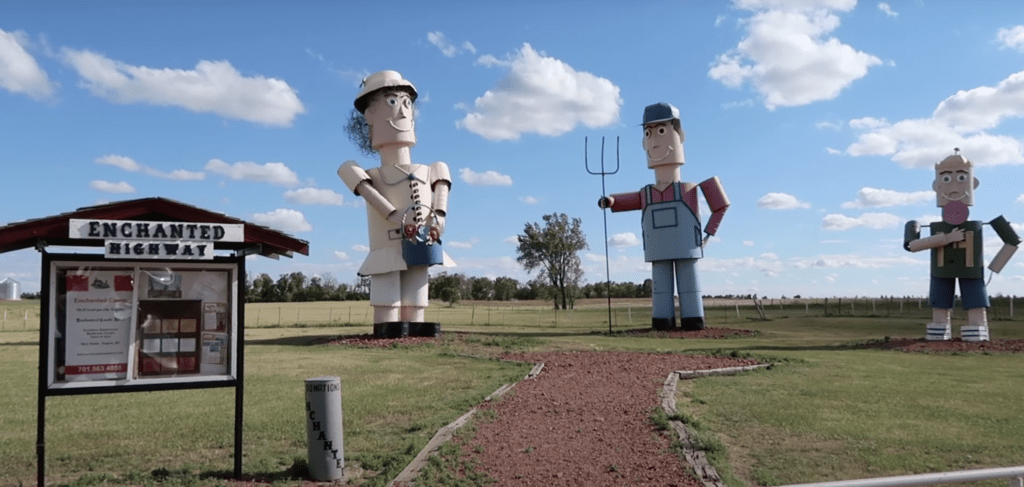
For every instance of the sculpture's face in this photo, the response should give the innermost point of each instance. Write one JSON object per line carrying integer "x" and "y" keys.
{"x": 663, "y": 145}
{"x": 390, "y": 118}
{"x": 954, "y": 183}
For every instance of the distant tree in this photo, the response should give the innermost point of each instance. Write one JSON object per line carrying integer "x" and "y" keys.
{"x": 446, "y": 287}
{"x": 482, "y": 289}
{"x": 552, "y": 249}
{"x": 505, "y": 288}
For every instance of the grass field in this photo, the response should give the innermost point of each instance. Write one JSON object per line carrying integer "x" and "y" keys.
{"x": 828, "y": 411}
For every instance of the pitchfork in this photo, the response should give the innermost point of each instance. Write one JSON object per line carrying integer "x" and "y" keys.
{"x": 604, "y": 212}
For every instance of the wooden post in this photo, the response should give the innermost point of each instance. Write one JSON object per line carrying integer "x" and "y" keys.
{"x": 738, "y": 317}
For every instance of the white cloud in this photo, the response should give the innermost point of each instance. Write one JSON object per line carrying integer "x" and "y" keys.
{"x": 341, "y": 255}
{"x": 887, "y": 10}
{"x": 833, "y": 152}
{"x": 828, "y": 125}
{"x": 837, "y": 222}
{"x": 487, "y": 178}
{"x": 748, "y": 243}
{"x": 856, "y": 261}
{"x": 541, "y": 95}
{"x": 869, "y": 197}
{"x": 129, "y": 164}
{"x": 961, "y": 120}
{"x": 628, "y": 239}
{"x": 781, "y": 201}
{"x": 314, "y": 196}
{"x": 446, "y": 47}
{"x": 463, "y": 245}
{"x": 529, "y": 200}
{"x": 283, "y": 219}
{"x": 275, "y": 173}
{"x": 212, "y": 87}
{"x": 767, "y": 263}
{"x": 1012, "y": 38}
{"x": 787, "y": 55}
{"x": 360, "y": 248}
{"x": 126, "y": 163}
{"x": 19, "y": 72}
{"x": 111, "y": 187}
{"x": 1020, "y": 199}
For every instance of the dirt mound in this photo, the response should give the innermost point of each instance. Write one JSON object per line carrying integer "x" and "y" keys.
{"x": 708, "y": 332}
{"x": 955, "y": 345}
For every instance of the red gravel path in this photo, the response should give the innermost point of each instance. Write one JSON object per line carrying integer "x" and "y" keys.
{"x": 584, "y": 421}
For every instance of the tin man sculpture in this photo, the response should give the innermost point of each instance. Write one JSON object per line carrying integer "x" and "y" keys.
{"x": 406, "y": 206}
{"x": 956, "y": 248}
{"x": 673, "y": 240}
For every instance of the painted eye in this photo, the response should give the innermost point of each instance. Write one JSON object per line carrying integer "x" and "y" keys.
{"x": 661, "y": 130}
{"x": 393, "y": 101}
{"x": 946, "y": 178}
{"x": 961, "y": 177}
{"x": 407, "y": 103}
{"x": 647, "y": 132}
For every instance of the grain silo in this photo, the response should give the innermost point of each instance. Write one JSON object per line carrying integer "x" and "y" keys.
{"x": 10, "y": 290}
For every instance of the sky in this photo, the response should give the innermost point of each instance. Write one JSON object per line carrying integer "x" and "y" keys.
{"x": 823, "y": 120}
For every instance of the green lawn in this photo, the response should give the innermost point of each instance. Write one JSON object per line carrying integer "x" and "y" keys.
{"x": 827, "y": 411}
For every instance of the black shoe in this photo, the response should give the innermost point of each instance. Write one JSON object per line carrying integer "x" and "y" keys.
{"x": 391, "y": 329}
{"x": 663, "y": 324}
{"x": 424, "y": 329}
{"x": 693, "y": 323}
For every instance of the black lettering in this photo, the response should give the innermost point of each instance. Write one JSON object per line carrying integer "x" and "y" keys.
{"x": 204, "y": 232}
{"x": 109, "y": 230}
{"x": 186, "y": 250}
{"x": 94, "y": 229}
{"x": 202, "y": 250}
{"x": 171, "y": 249}
{"x": 138, "y": 249}
{"x": 312, "y": 415}
{"x": 323, "y": 436}
{"x": 177, "y": 231}
{"x": 192, "y": 231}
{"x": 142, "y": 230}
{"x": 114, "y": 248}
{"x": 309, "y": 406}
{"x": 328, "y": 444}
{"x": 334, "y": 454}
{"x": 126, "y": 230}
{"x": 316, "y": 425}
{"x": 218, "y": 232}
{"x": 159, "y": 232}
{"x": 154, "y": 249}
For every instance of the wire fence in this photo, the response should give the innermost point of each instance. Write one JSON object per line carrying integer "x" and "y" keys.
{"x": 24, "y": 315}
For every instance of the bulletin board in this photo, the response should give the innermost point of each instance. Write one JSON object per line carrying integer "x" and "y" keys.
{"x": 118, "y": 326}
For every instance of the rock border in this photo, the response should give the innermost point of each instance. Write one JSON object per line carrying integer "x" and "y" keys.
{"x": 692, "y": 451}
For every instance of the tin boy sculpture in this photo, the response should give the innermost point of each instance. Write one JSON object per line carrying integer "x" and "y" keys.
{"x": 956, "y": 251}
{"x": 673, "y": 240}
{"x": 406, "y": 206}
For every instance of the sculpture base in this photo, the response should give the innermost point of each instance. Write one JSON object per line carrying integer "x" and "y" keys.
{"x": 939, "y": 331}
{"x": 663, "y": 324}
{"x": 693, "y": 323}
{"x": 974, "y": 333}
{"x": 400, "y": 329}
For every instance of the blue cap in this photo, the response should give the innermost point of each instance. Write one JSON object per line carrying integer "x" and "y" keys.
{"x": 660, "y": 112}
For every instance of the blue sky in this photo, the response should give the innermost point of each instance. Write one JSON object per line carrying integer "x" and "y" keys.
{"x": 823, "y": 120}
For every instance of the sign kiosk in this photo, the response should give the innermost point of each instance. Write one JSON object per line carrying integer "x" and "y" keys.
{"x": 158, "y": 310}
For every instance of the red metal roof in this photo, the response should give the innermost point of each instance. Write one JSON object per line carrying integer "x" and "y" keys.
{"x": 53, "y": 230}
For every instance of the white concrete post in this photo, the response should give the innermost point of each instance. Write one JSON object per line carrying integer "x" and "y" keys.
{"x": 324, "y": 434}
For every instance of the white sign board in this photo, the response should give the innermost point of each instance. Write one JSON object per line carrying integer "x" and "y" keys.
{"x": 130, "y": 239}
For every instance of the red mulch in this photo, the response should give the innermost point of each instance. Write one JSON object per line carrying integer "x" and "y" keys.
{"x": 584, "y": 421}
{"x": 956, "y": 345}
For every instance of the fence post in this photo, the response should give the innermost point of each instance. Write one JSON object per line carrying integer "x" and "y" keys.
{"x": 738, "y": 317}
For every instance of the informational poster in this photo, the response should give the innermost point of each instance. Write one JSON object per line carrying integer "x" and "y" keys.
{"x": 99, "y": 318}
{"x": 119, "y": 324}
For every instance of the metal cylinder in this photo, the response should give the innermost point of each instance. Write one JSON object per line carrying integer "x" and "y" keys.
{"x": 324, "y": 433}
